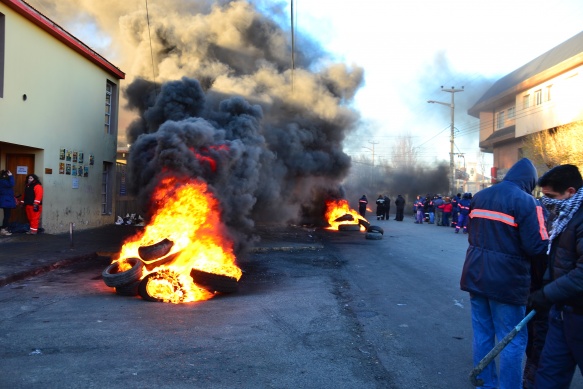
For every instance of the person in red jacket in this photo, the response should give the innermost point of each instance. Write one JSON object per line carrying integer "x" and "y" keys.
{"x": 33, "y": 199}
{"x": 447, "y": 208}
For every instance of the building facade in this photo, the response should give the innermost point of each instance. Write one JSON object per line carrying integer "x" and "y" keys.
{"x": 58, "y": 119}
{"x": 541, "y": 95}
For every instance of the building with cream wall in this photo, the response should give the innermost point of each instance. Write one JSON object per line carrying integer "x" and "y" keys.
{"x": 541, "y": 95}
{"x": 58, "y": 118}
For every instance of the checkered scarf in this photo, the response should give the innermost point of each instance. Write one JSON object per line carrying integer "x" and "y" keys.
{"x": 563, "y": 210}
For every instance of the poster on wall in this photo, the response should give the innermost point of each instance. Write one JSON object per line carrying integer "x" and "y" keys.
{"x": 86, "y": 171}
{"x": 74, "y": 156}
{"x": 75, "y": 183}
{"x": 68, "y": 157}
{"x": 62, "y": 167}
{"x": 22, "y": 170}
{"x": 80, "y": 157}
{"x": 91, "y": 159}
{"x": 68, "y": 169}
{"x": 74, "y": 171}
{"x": 62, "y": 154}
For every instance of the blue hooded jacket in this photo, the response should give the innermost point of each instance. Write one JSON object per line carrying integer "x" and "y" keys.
{"x": 7, "y": 192}
{"x": 506, "y": 227}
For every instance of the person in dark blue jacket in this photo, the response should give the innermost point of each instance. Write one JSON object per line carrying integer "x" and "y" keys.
{"x": 455, "y": 209}
{"x": 362, "y": 203}
{"x": 506, "y": 229}
{"x": 7, "y": 202}
{"x": 562, "y": 188}
{"x": 463, "y": 206}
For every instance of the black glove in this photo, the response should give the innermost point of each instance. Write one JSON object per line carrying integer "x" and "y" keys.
{"x": 539, "y": 301}
{"x": 35, "y": 207}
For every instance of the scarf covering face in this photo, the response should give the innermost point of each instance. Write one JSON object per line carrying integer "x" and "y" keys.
{"x": 564, "y": 211}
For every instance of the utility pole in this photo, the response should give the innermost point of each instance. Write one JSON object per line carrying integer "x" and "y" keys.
{"x": 372, "y": 166}
{"x": 293, "y": 45}
{"x": 451, "y": 90}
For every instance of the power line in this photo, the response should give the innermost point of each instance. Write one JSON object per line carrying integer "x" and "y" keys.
{"x": 150, "y": 37}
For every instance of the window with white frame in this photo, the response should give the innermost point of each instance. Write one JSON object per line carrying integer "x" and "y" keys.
{"x": 511, "y": 113}
{"x": 538, "y": 97}
{"x": 499, "y": 120}
{"x": 106, "y": 188}
{"x": 549, "y": 94}
{"x": 526, "y": 101}
{"x": 110, "y": 108}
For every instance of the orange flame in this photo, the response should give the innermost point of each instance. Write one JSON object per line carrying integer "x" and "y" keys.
{"x": 189, "y": 216}
{"x": 338, "y": 208}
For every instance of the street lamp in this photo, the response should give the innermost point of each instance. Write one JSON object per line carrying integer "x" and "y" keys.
{"x": 451, "y": 138}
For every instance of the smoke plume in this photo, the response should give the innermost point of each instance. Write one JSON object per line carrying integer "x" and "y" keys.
{"x": 211, "y": 94}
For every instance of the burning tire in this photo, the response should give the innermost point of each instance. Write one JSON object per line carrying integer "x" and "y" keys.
{"x": 349, "y": 227}
{"x": 364, "y": 223}
{"x": 113, "y": 277}
{"x": 150, "y": 265}
{"x": 162, "y": 286}
{"x": 345, "y": 218}
{"x": 214, "y": 282}
{"x": 376, "y": 229}
{"x": 374, "y": 235}
{"x": 129, "y": 289}
{"x": 158, "y": 250}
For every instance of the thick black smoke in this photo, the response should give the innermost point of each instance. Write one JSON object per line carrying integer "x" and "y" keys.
{"x": 260, "y": 169}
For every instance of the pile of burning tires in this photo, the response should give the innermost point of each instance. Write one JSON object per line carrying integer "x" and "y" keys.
{"x": 126, "y": 275}
{"x": 372, "y": 232}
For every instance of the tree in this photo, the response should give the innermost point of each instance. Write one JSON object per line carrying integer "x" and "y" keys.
{"x": 404, "y": 154}
{"x": 559, "y": 145}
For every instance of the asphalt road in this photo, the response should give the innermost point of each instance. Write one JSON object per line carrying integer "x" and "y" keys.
{"x": 356, "y": 313}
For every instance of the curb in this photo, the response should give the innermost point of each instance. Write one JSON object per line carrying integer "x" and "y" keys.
{"x": 285, "y": 248}
{"x": 44, "y": 269}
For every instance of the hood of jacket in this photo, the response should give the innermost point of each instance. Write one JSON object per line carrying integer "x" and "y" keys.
{"x": 523, "y": 174}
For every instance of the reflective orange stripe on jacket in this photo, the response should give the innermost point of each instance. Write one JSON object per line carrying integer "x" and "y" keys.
{"x": 508, "y": 219}
{"x": 492, "y": 215}
{"x": 544, "y": 234}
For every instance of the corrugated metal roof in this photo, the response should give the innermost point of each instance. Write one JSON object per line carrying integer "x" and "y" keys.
{"x": 566, "y": 50}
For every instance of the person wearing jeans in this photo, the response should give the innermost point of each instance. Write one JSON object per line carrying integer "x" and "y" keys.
{"x": 562, "y": 290}
{"x": 7, "y": 202}
{"x": 491, "y": 320}
{"x": 506, "y": 229}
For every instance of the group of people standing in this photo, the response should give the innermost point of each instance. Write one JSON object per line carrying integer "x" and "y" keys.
{"x": 512, "y": 265}
{"x": 32, "y": 201}
{"x": 383, "y": 204}
{"x": 440, "y": 210}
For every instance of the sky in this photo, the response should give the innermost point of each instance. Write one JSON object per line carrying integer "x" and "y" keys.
{"x": 407, "y": 50}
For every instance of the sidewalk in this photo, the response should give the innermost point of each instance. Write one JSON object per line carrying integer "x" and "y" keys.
{"x": 23, "y": 256}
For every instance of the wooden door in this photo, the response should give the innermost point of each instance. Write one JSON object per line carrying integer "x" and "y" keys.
{"x": 15, "y": 163}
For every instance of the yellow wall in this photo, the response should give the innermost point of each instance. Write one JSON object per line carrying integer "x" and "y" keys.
{"x": 64, "y": 108}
